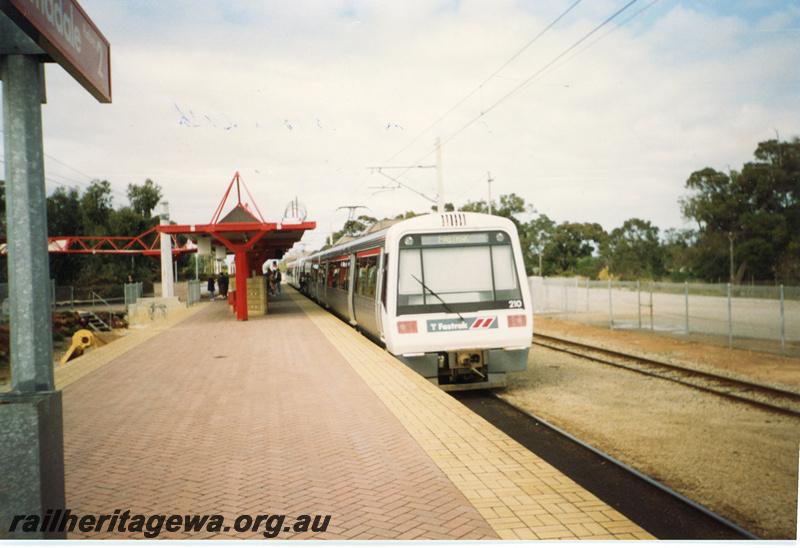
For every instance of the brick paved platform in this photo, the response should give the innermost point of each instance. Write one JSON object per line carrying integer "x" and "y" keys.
{"x": 294, "y": 413}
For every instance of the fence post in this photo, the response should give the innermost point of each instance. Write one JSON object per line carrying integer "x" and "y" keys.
{"x": 652, "y": 318}
{"x": 546, "y": 288}
{"x": 587, "y": 301}
{"x": 783, "y": 327}
{"x": 730, "y": 319}
{"x": 686, "y": 292}
{"x": 639, "y": 301}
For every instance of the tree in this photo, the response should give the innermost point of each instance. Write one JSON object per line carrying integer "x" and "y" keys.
{"x": 510, "y": 207}
{"x": 95, "y": 207}
{"x": 634, "y": 251}
{"x": 678, "y": 248}
{"x": 748, "y": 221}
{"x": 538, "y": 233}
{"x": 144, "y": 198}
{"x": 64, "y": 212}
{"x": 354, "y": 227}
{"x": 570, "y": 243}
{"x": 64, "y": 218}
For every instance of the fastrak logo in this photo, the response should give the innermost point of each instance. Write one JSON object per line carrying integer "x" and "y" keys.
{"x": 456, "y": 324}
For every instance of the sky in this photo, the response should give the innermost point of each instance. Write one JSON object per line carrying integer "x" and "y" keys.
{"x": 339, "y": 103}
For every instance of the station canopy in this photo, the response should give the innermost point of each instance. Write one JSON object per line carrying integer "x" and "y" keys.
{"x": 244, "y": 232}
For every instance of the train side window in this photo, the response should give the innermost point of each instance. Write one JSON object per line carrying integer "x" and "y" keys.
{"x": 333, "y": 274}
{"x": 365, "y": 280}
{"x": 344, "y": 275}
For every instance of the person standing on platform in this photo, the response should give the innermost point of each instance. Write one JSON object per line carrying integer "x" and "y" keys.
{"x": 223, "y": 285}
{"x": 278, "y": 280}
{"x": 211, "y": 286}
{"x": 270, "y": 282}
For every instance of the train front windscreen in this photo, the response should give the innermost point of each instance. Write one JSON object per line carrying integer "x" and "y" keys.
{"x": 457, "y": 272}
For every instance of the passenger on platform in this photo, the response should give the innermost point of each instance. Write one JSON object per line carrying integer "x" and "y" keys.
{"x": 278, "y": 281}
{"x": 211, "y": 286}
{"x": 271, "y": 282}
{"x": 223, "y": 285}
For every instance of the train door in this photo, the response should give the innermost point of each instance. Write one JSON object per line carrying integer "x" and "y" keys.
{"x": 380, "y": 282}
{"x": 351, "y": 289}
{"x": 322, "y": 283}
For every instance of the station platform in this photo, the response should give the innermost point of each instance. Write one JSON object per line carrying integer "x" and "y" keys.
{"x": 295, "y": 414}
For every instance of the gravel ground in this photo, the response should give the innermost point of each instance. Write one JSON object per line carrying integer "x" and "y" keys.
{"x": 739, "y": 462}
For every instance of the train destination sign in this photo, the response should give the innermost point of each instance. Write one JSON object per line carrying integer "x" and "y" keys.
{"x": 69, "y": 37}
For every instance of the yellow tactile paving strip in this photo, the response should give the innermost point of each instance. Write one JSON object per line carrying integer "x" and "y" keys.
{"x": 80, "y": 367}
{"x": 520, "y": 496}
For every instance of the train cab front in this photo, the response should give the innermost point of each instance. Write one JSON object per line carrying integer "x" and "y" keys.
{"x": 467, "y": 352}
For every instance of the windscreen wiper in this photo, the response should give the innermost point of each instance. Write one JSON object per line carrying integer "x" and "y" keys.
{"x": 432, "y": 292}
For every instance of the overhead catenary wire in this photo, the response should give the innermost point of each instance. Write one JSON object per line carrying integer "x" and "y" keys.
{"x": 528, "y": 80}
{"x": 480, "y": 86}
{"x": 470, "y": 94}
{"x": 532, "y": 77}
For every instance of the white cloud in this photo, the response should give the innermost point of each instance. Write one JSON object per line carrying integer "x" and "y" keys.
{"x": 302, "y": 97}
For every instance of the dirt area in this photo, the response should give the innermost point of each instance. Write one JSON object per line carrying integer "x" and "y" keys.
{"x": 65, "y": 325}
{"x": 740, "y": 462}
{"x": 767, "y": 367}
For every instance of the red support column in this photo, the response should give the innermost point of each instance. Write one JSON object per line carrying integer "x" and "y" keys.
{"x": 242, "y": 273}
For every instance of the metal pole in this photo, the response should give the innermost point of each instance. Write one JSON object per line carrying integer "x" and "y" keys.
{"x": 439, "y": 183}
{"x": 587, "y": 302}
{"x": 730, "y": 319}
{"x": 652, "y": 321}
{"x": 26, "y": 219}
{"x": 783, "y": 327}
{"x": 489, "y": 175}
{"x": 686, "y": 292}
{"x": 31, "y": 421}
{"x": 639, "y": 301}
{"x": 610, "y": 308}
{"x": 546, "y": 297}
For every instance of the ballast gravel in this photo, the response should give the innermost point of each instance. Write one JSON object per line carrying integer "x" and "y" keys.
{"x": 738, "y": 461}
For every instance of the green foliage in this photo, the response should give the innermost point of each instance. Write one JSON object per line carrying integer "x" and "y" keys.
{"x": 568, "y": 244}
{"x": 144, "y": 198}
{"x": 354, "y": 227}
{"x": 91, "y": 213}
{"x": 749, "y": 221}
{"x": 634, "y": 252}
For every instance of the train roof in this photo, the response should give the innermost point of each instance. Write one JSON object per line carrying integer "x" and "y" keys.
{"x": 378, "y": 232}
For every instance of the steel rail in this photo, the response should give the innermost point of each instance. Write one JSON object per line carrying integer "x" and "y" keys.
{"x": 727, "y": 383}
{"x": 632, "y": 471}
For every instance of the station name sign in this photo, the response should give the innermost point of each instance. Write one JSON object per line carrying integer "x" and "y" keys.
{"x": 68, "y": 36}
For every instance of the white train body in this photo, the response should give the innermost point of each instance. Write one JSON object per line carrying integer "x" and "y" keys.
{"x": 444, "y": 293}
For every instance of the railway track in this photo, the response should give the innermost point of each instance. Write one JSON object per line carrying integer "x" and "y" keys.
{"x": 662, "y": 512}
{"x": 759, "y": 395}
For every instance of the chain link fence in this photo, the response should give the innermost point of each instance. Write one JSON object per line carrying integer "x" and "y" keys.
{"x": 748, "y": 317}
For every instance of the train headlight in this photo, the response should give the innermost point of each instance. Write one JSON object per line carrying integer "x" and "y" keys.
{"x": 407, "y": 327}
{"x": 409, "y": 240}
{"x": 500, "y": 237}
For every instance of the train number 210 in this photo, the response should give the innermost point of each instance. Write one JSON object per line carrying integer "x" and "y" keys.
{"x": 515, "y": 303}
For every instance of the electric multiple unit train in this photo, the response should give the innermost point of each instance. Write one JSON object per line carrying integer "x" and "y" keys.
{"x": 445, "y": 293}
